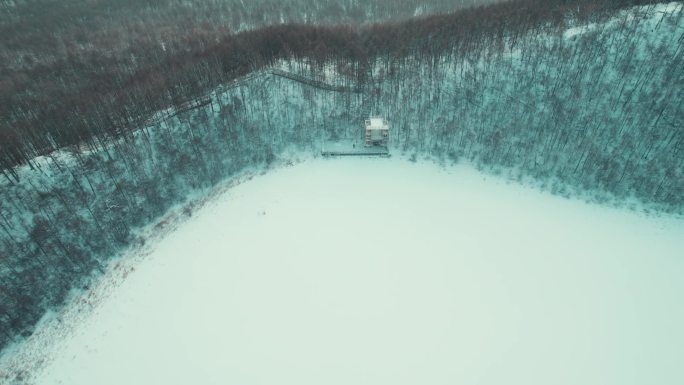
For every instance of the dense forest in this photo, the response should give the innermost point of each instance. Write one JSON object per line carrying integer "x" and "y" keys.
{"x": 582, "y": 97}
{"x": 96, "y": 60}
{"x": 59, "y": 89}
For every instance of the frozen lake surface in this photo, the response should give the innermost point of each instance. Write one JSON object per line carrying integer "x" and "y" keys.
{"x": 383, "y": 271}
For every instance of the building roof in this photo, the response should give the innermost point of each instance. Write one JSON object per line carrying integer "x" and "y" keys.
{"x": 376, "y": 124}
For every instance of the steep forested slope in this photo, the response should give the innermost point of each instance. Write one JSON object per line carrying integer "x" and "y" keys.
{"x": 63, "y": 63}
{"x": 79, "y": 84}
{"x": 583, "y": 108}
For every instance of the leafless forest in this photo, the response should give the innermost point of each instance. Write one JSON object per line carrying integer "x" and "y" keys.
{"x": 111, "y": 112}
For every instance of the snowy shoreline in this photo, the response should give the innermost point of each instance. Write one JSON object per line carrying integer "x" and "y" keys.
{"x": 20, "y": 361}
{"x": 75, "y": 348}
{"x": 546, "y": 110}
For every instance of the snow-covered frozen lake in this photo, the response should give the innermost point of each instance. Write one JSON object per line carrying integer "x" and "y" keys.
{"x": 383, "y": 271}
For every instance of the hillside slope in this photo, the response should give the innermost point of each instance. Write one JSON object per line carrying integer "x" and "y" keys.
{"x": 590, "y": 111}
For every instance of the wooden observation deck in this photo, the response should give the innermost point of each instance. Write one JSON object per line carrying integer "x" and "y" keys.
{"x": 350, "y": 147}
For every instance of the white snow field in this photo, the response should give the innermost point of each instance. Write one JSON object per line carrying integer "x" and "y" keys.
{"x": 383, "y": 271}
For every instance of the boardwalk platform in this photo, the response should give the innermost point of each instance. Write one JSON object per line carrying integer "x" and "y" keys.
{"x": 348, "y": 147}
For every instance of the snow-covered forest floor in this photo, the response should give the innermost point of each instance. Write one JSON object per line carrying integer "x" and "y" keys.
{"x": 590, "y": 112}
{"x": 375, "y": 271}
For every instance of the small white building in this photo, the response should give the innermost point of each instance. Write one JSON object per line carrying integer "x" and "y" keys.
{"x": 377, "y": 132}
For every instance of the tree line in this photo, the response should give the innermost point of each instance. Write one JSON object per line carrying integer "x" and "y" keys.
{"x": 597, "y": 115}
{"x": 87, "y": 96}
